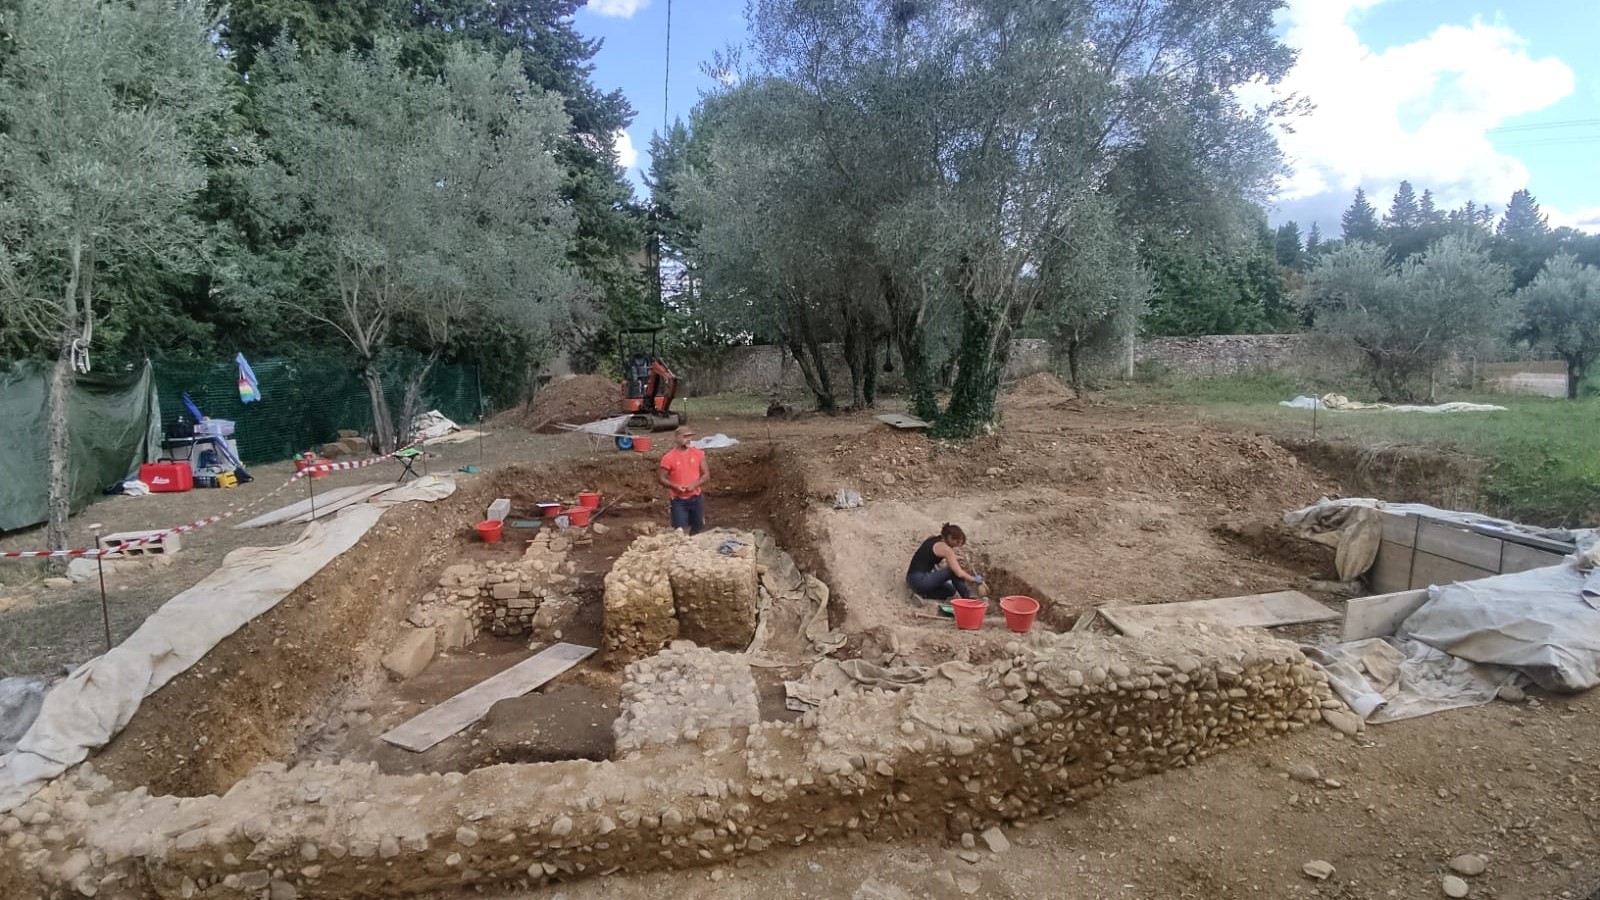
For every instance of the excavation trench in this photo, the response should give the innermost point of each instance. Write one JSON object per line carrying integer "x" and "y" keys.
{"x": 263, "y": 767}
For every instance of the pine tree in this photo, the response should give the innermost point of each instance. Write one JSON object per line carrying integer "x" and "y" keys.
{"x": 1286, "y": 244}
{"x": 1313, "y": 241}
{"x": 1523, "y": 219}
{"x": 1360, "y": 221}
{"x": 1429, "y": 213}
{"x": 1403, "y": 210}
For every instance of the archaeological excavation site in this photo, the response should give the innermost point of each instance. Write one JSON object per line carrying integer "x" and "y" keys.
{"x": 433, "y": 714}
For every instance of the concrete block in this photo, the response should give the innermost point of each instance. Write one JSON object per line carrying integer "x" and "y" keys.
{"x": 1455, "y": 543}
{"x": 1428, "y": 569}
{"x": 1400, "y": 529}
{"x": 1392, "y": 571}
{"x": 454, "y": 629}
{"x": 1518, "y": 558}
{"x": 126, "y": 543}
{"x": 411, "y": 654}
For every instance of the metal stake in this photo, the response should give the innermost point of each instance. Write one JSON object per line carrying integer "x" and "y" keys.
{"x": 311, "y": 486}
{"x": 100, "y": 568}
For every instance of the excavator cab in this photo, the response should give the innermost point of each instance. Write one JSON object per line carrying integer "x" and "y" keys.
{"x": 649, "y": 387}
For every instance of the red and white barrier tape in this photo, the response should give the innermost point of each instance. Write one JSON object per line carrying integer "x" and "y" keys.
{"x": 155, "y": 537}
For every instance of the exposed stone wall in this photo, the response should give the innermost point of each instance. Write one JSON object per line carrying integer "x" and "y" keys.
{"x": 1059, "y": 720}
{"x": 639, "y": 616}
{"x": 501, "y": 598}
{"x": 716, "y": 595}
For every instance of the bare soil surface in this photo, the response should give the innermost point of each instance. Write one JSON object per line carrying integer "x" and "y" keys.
{"x": 1076, "y": 504}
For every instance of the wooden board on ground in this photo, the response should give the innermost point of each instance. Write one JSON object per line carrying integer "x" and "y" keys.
{"x": 1253, "y": 611}
{"x": 1379, "y": 615}
{"x": 327, "y": 509}
{"x": 295, "y": 510}
{"x": 895, "y": 420}
{"x": 472, "y": 704}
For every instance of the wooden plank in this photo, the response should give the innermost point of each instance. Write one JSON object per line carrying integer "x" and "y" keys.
{"x": 1400, "y": 529}
{"x": 1253, "y": 611}
{"x": 1392, "y": 571}
{"x": 472, "y": 704}
{"x": 294, "y": 510}
{"x": 327, "y": 509}
{"x": 1517, "y": 558}
{"x": 1456, "y": 543}
{"x": 1085, "y": 619}
{"x": 1428, "y": 569}
{"x": 1379, "y": 615}
{"x": 895, "y": 420}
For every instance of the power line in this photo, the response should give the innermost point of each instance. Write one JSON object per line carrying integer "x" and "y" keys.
{"x": 1544, "y": 126}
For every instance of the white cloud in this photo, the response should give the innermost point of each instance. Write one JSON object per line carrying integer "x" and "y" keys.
{"x": 621, "y": 9}
{"x": 627, "y": 154}
{"x": 1418, "y": 111}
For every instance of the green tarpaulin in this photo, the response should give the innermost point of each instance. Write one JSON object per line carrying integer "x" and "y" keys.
{"x": 115, "y": 423}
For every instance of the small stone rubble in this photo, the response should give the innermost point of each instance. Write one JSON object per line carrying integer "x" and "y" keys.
{"x": 682, "y": 693}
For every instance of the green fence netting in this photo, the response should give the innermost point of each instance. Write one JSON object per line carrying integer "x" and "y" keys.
{"x": 305, "y": 401}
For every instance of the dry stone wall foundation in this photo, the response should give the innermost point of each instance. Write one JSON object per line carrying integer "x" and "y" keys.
{"x": 1060, "y": 719}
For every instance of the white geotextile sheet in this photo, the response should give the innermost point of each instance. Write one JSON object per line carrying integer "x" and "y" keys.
{"x": 1384, "y": 680}
{"x": 1537, "y": 622}
{"x": 1301, "y": 517}
{"x": 1339, "y": 402}
{"x": 1469, "y": 639}
{"x": 87, "y": 709}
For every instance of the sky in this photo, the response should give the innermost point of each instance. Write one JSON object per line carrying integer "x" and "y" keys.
{"x": 1472, "y": 98}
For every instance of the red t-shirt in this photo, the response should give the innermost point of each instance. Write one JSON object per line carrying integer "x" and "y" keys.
{"x": 683, "y": 467}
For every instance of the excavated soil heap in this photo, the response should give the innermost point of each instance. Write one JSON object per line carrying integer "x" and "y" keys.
{"x": 1040, "y": 386}
{"x": 576, "y": 400}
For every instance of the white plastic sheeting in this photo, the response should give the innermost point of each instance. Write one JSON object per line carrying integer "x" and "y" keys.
{"x": 85, "y": 711}
{"x": 1342, "y": 403}
{"x": 20, "y": 699}
{"x": 1536, "y": 622}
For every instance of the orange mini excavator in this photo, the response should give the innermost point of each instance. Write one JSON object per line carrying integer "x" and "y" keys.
{"x": 648, "y": 388}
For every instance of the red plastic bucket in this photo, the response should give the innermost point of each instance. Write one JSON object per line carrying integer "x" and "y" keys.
{"x": 549, "y": 510}
{"x": 969, "y": 613}
{"x": 1019, "y": 612}
{"x": 489, "y": 530}
{"x": 579, "y": 516}
{"x": 641, "y": 444}
{"x": 589, "y": 500}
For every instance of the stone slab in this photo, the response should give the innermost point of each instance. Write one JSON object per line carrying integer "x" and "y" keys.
{"x": 1392, "y": 570}
{"x": 1519, "y": 558}
{"x": 411, "y": 654}
{"x": 1427, "y": 569}
{"x": 472, "y": 704}
{"x": 1400, "y": 529}
{"x": 1252, "y": 611}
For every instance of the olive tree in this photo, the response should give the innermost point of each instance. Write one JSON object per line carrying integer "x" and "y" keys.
{"x": 1561, "y": 315}
{"x": 404, "y": 201}
{"x": 108, "y": 111}
{"x": 1406, "y": 320}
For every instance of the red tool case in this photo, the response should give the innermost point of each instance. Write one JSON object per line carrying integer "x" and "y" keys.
{"x": 167, "y": 477}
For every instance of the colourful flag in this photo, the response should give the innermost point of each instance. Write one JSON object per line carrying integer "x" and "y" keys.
{"x": 249, "y": 388}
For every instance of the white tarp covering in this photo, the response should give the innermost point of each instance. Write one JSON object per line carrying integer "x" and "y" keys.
{"x": 1341, "y": 402}
{"x": 432, "y": 424}
{"x": 87, "y": 709}
{"x": 1385, "y": 680}
{"x": 713, "y": 442}
{"x": 20, "y": 699}
{"x": 1306, "y": 517}
{"x": 1536, "y": 622}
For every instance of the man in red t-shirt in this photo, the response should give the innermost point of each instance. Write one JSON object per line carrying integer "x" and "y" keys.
{"x": 683, "y": 472}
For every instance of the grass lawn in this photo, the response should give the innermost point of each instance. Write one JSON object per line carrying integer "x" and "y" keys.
{"x": 1543, "y": 454}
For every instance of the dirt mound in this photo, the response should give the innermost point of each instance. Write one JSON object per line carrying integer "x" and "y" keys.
{"x": 1040, "y": 385}
{"x": 576, "y": 400}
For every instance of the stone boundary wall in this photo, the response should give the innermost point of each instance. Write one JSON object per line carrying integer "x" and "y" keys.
{"x": 770, "y": 371}
{"x": 1058, "y": 720}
